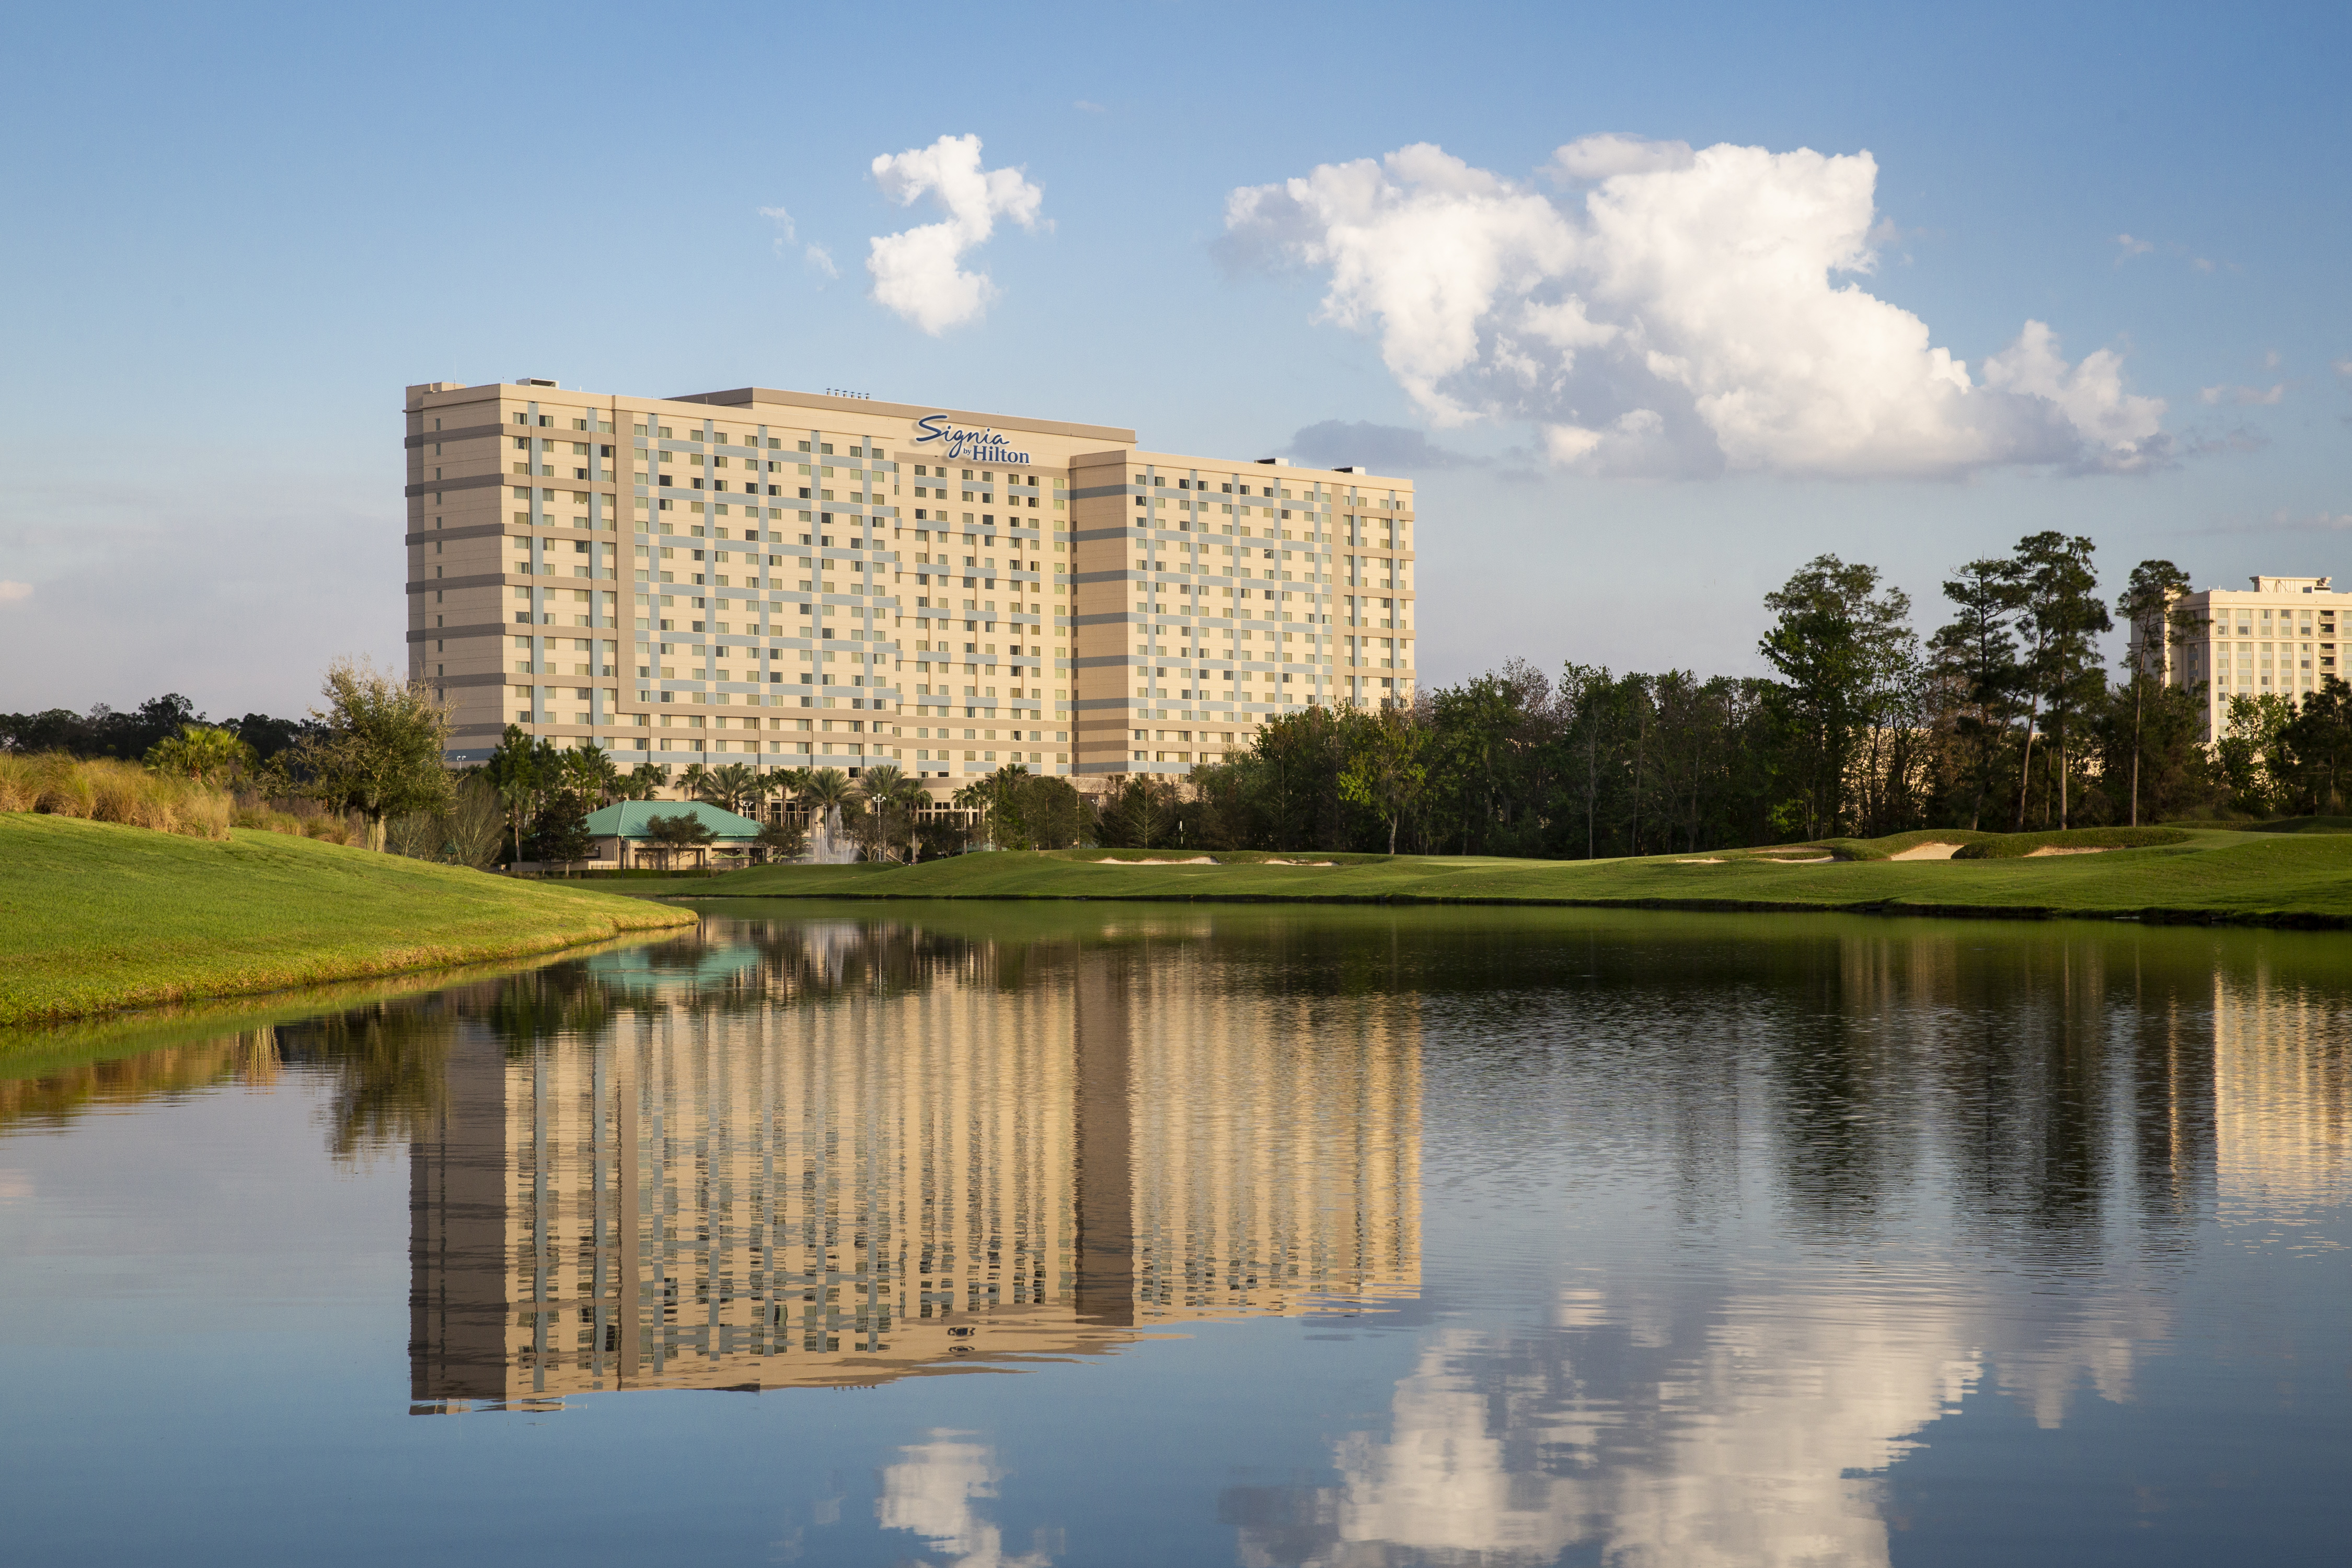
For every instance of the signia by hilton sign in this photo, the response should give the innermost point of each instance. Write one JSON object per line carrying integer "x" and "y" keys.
{"x": 968, "y": 446}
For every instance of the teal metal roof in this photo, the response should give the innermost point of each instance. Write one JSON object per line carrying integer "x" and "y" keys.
{"x": 628, "y": 818}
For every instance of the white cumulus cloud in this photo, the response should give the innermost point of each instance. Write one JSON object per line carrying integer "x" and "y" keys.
{"x": 919, "y": 272}
{"x": 12, "y": 592}
{"x": 1691, "y": 313}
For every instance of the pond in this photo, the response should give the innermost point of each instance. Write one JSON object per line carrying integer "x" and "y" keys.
{"x": 1029, "y": 1235}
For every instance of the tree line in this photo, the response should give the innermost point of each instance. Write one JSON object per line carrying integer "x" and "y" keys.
{"x": 2003, "y": 718}
{"x": 131, "y": 734}
{"x": 373, "y": 751}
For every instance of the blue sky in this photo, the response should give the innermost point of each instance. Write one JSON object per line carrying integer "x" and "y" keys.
{"x": 236, "y": 234}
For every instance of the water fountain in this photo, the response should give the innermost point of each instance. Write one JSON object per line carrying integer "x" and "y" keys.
{"x": 827, "y": 844}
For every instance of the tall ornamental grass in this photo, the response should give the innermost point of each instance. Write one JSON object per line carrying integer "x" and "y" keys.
{"x": 106, "y": 789}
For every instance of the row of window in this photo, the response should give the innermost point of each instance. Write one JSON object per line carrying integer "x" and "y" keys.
{"x": 1270, "y": 492}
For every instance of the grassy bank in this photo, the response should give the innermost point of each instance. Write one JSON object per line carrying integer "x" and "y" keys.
{"x": 96, "y": 917}
{"x": 2171, "y": 875}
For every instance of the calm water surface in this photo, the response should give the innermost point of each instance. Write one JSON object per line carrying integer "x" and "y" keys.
{"x": 1011, "y": 1238}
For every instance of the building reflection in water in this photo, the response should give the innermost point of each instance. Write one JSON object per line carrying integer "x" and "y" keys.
{"x": 2281, "y": 1097}
{"x": 850, "y": 1154}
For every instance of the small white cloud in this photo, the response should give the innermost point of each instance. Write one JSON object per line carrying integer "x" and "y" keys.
{"x": 814, "y": 256}
{"x": 1609, "y": 154}
{"x": 12, "y": 592}
{"x": 2270, "y": 359}
{"x": 917, "y": 272}
{"x": 1090, "y": 106}
{"x": 784, "y": 222}
{"x": 2202, "y": 264}
{"x": 2132, "y": 246}
{"x": 2245, "y": 397}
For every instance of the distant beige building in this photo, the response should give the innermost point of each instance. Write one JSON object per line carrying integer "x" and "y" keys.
{"x": 2276, "y": 639}
{"x": 786, "y": 579}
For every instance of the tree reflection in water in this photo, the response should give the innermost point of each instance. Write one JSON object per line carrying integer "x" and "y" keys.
{"x": 1903, "y": 1165}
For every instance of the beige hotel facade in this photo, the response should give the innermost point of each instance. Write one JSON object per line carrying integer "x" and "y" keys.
{"x": 786, "y": 579}
{"x": 2275, "y": 638}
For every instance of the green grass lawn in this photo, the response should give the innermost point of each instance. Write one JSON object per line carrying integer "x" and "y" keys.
{"x": 2206, "y": 874}
{"x": 96, "y": 917}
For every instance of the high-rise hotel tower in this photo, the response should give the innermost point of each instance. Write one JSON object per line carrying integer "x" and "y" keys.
{"x": 2207, "y": 642}
{"x": 790, "y": 580}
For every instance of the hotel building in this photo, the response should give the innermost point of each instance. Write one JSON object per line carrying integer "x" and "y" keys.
{"x": 784, "y": 579}
{"x": 2276, "y": 639}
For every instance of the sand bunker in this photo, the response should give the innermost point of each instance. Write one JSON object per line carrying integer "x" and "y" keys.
{"x": 2067, "y": 849}
{"x": 1927, "y": 852}
{"x": 1195, "y": 860}
{"x": 1710, "y": 860}
{"x": 1294, "y": 862}
{"x": 1794, "y": 860}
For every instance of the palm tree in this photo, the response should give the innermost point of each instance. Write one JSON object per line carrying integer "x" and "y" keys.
{"x": 763, "y": 786}
{"x": 729, "y": 787}
{"x": 644, "y": 781}
{"x": 975, "y": 797}
{"x": 521, "y": 770}
{"x": 911, "y": 797}
{"x": 785, "y": 783}
{"x": 985, "y": 797}
{"x": 879, "y": 780}
{"x": 204, "y": 753}
{"x": 588, "y": 772}
{"x": 693, "y": 781}
{"x": 891, "y": 796}
{"x": 824, "y": 787}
